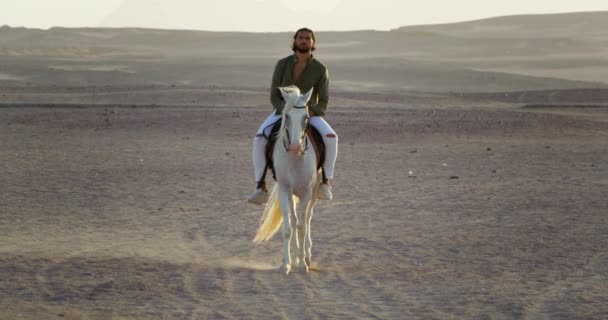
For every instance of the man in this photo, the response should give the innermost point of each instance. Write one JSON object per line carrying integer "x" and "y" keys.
{"x": 304, "y": 71}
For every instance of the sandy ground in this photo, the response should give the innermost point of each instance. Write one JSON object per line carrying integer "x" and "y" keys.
{"x": 112, "y": 212}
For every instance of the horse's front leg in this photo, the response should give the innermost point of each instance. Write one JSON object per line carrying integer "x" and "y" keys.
{"x": 287, "y": 207}
{"x": 302, "y": 228}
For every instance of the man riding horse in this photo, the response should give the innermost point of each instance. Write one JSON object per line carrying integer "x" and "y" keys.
{"x": 305, "y": 72}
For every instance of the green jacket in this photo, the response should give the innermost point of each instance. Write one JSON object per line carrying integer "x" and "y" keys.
{"x": 315, "y": 76}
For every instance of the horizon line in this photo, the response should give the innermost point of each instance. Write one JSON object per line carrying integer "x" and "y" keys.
{"x": 288, "y": 31}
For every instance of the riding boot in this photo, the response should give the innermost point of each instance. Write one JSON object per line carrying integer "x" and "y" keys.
{"x": 326, "y": 192}
{"x": 260, "y": 195}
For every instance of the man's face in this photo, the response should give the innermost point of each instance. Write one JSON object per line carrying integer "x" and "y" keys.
{"x": 303, "y": 41}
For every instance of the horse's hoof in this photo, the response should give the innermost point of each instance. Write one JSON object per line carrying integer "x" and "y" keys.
{"x": 285, "y": 268}
{"x": 303, "y": 266}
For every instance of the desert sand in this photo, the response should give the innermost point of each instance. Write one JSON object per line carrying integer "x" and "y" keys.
{"x": 122, "y": 212}
{"x": 470, "y": 184}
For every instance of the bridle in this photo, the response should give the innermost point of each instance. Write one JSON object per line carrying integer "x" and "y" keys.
{"x": 287, "y": 142}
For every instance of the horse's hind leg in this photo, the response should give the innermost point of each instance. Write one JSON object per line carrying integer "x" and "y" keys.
{"x": 287, "y": 207}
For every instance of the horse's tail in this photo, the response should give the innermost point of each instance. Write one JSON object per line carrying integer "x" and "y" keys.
{"x": 271, "y": 219}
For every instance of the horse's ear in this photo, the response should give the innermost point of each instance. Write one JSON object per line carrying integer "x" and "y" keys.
{"x": 306, "y": 97}
{"x": 284, "y": 93}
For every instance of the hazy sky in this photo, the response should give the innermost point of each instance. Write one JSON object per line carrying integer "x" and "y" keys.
{"x": 270, "y": 15}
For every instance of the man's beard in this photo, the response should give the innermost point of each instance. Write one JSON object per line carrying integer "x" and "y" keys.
{"x": 303, "y": 49}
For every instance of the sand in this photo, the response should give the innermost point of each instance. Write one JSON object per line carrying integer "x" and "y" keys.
{"x": 110, "y": 211}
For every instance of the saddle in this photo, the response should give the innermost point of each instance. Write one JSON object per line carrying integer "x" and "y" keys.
{"x": 315, "y": 138}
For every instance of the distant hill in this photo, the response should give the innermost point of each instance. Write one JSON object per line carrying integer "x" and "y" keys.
{"x": 497, "y": 54}
{"x": 589, "y": 25}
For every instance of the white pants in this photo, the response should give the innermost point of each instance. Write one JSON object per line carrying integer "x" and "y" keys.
{"x": 330, "y": 138}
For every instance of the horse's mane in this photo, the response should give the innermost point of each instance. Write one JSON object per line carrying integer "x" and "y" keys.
{"x": 293, "y": 93}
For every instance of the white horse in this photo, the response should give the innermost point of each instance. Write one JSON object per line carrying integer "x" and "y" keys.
{"x": 295, "y": 194}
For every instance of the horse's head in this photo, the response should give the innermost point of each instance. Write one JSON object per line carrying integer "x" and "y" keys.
{"x": 295, "y": 119}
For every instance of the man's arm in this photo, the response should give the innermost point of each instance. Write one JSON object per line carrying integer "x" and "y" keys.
{"x": 275, "y": 95}
{"x": 322, "y": 90}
